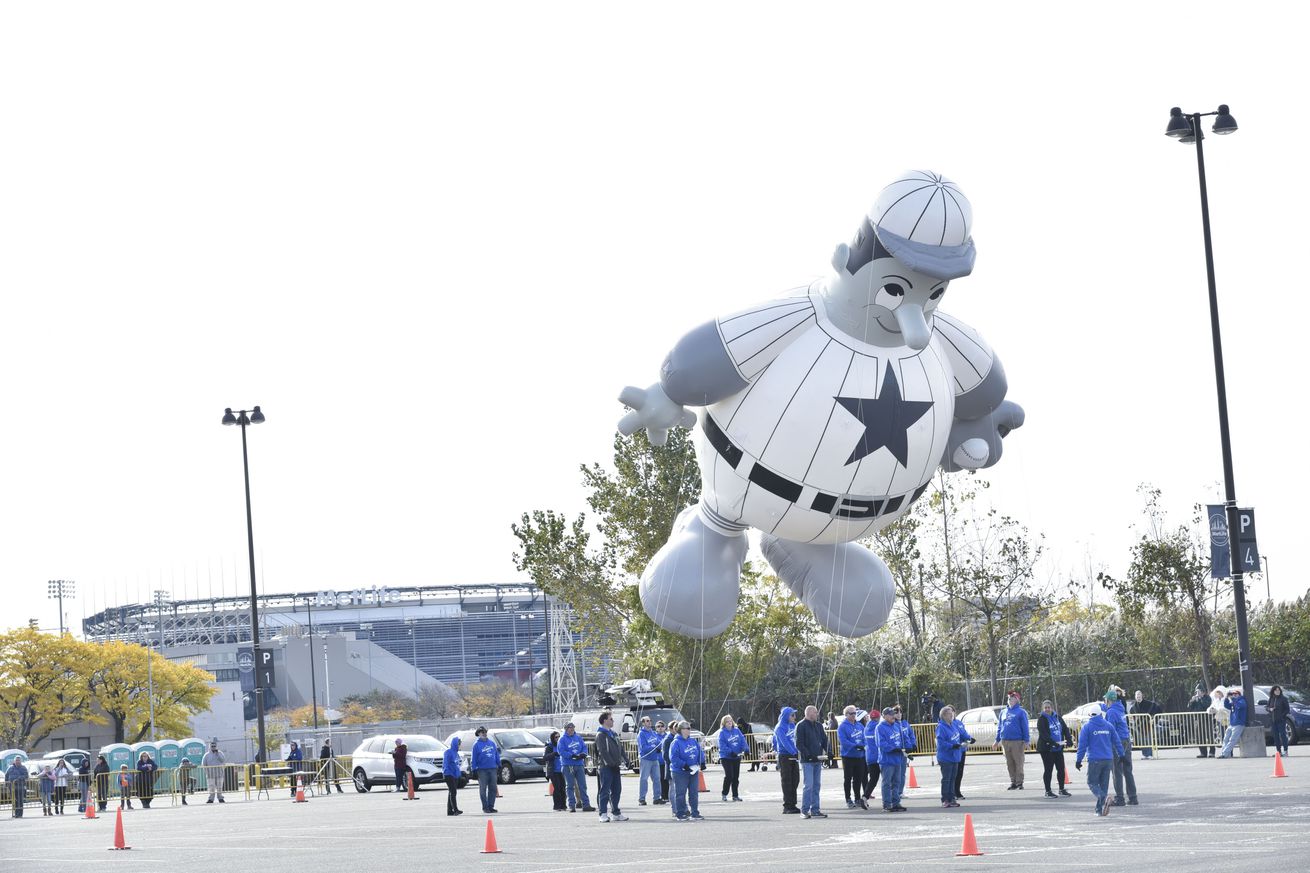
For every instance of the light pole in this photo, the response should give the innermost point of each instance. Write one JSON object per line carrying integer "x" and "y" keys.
{"x": 1186, "y": 128}
{"x": 58, "y": 589}
{"x": 413, "y": 639}
{"x": 369, "y": 628}
{"x": 1268, "y": 596}
{"x": 161, "y": 598}
{"x": 313, "y": 683}
{"x": 246, "y": 418}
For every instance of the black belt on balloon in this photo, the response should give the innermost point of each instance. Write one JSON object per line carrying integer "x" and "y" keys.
{"x": 835, "y": 505}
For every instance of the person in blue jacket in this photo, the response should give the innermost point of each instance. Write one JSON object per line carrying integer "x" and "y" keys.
{"x": 294, "y": 757}
{"x": 451, "y": 771}
{"x": 871, "y": 768}
{"x": 1012, "y": 735}
{"x": 573, "y": 756}
{"x": 789, "y": 768}
{"x": 911, "y": 743}
{"x": 1235, "y": 703}
{"x": 732, "y": 745}
{"x": 1123, "y": 764}
{"x": 1098, "y": 741}
{"x": 648, "y": 756}
{"x": 1053, "y": 737}
{"x": 554, "y": 772}
{"x": 850, "y": 744}
{"x": 950, "y": 751}
{"x": 486, "y": 766}
{"x": 686, "y": 759}
{"x": 891, "y": 759}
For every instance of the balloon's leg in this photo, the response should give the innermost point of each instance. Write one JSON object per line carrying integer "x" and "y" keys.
{"x": 690, "y": 586}
{"x": 847, "y": 587}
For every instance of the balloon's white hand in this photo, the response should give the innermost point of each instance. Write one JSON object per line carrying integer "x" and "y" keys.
{"x": 653, "y": 410}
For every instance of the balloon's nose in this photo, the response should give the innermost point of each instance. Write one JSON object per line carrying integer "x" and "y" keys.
{"x": 914, "y": 327}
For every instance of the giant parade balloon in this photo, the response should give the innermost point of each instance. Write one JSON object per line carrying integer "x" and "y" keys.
{"x": 824, "y": 414}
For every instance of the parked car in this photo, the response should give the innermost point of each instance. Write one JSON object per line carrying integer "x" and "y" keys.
{"x": 372, "y": 763}
{"x": 522, "y": 753}
{"x": 1298, "y": 714}
{"x": 1079, "y": 716}
{"x": 74, "y": 757}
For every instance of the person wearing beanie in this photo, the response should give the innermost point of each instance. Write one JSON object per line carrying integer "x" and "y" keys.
{"x": 1012, "y": 736}
{"x": 1123, "y": 764}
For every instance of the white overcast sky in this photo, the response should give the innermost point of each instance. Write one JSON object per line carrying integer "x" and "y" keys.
{"x": 433, "y": 241}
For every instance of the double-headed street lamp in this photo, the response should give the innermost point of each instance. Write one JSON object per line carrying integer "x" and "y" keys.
{"x": 244, "y": 418}
{"x": 1186, "y": 128}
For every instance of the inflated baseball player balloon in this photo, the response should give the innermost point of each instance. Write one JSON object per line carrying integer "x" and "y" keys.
{"x": 825, "y": 414}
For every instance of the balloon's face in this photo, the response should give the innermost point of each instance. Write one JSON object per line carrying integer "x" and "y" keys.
{"x": 897, "y": 300}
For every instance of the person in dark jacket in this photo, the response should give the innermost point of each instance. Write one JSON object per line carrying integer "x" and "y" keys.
{"x": 145, "y": 780}
{"x": 1099, "y": 742}
{"x": 1200, "y": 702}
{"x": 1279, "y": 709}
{"x": 16, "y": 777}
{"x": 1123, "y": 764}
{"x": 185, "y": 781}
{"x": 294, "y": 759}
{"x": 964, "y": 753}
{"x": 813, "y": 751}
{"x": 1053, "y": 737}
{"x": 789, "y": 770}
{"x": 850, "y": 740}
{"x": 1235, "y": 703}
{"x": 832, "y": 724}
{"x": 84, "y": 783}
{"x": 555, "y": 772}
{"x": 667, "y": 734}
{"x": 124, "y": 787}
{"x": 1142, "y": 727}
{"x": 101, "y": 772}
{"x": 328, "y": 762}
{"x": 400, "y": 763}
{"x": 610, "y": 759}
{"x": 451, "y": 771}
{"x": 871, "y": 768}
{"x": 753, "y": 751}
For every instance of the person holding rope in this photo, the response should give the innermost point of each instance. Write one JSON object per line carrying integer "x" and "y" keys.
{"x": 1099, "y": 742}
{"x": 789, "y": 770}
{"x": 950, "y": 750}
{"x": 891, "y": 757}
{"x": 850, "y": 742}
{"x": 686, "y": 759}
{"x": 573, "y": 755}
{"x": 732, "y": 745}
{"x": 871, "y": 767}
{"x": 1053, "y": 737}
{"x": 648, "y": 756}
{"x": 1123, "y": 764}
{"x": 911, "y": 743}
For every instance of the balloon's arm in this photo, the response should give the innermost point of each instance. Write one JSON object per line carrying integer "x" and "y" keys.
{"x": 697, "y": 372}
{"x": 982, "y": 414}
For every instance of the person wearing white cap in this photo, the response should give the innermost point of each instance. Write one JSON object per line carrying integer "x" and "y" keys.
{"x": 850, "y": 743}
{"x": 827, "y": 413}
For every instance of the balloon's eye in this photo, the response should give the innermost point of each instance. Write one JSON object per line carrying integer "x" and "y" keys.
{"x": 893, "y": 289}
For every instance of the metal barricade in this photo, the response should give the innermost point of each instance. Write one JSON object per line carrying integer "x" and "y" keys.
{"x": 1181, "y": 730}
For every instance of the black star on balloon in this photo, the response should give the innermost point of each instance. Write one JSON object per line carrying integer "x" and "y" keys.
{"x": 885, "y": 419}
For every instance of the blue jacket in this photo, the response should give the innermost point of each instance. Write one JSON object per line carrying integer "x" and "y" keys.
{"x": 732, "y": 743}
{"x": 784, "y": 734}
{"x": 685, "y": 754}
{"x": 950, "y": 743}
{"x": 907, "y": 730}
{"x": 1098, "y": 740}
{"x": 964, "y": 735}
{"x": 572, "y": 750}
{"x": 1014, "y": 724}
{"x": 16, "y": 773}
{"x": 891, "y": 743}
{"x": 1114, "y": 714}
{"x": 850, "y": 739}
{"x": 1237, "y": 706}
{"x": 871, "y": 741}
{"x": 450, "y": 764}
{"x": 648, "y": 744}
{"x": 486, "y": 754}
{"x": 296, "y": 754}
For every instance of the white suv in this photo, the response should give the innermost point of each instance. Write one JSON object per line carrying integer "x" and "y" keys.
{"x": 372, "y": 764}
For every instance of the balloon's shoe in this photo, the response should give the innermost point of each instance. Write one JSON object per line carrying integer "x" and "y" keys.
{"x": 847, "y": 587}
{"x": 690, "y": 587}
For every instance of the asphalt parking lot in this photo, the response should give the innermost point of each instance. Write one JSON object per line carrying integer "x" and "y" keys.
{"x": 1196, "y": 815}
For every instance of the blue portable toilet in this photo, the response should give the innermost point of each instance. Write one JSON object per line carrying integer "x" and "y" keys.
{"x": 169, "y": 757}
{"x": 117, "y": 754}
{"x": 193, "y": 749}
{"x": 7, "y": 757}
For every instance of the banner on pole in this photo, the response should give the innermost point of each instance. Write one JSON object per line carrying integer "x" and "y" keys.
{"x": 1220, "y": 556}
{"x": 1247, "y": 549}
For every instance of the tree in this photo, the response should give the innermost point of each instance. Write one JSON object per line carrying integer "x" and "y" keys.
{"x": 898, "y": 546}
{"x": 42, "y": 685}
{"x": 118, "y": 683}
{"x": 1169, "y": 570}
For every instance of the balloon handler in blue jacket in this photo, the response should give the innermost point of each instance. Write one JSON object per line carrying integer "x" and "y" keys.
{"x": 573, "y": 756}
{"x": 1098, "y": 741}
{"x": 650, "y": 757}
{"x": 451, "y": 771}
{"x": 789, "y": 768}
{"x": 486, "y": 765}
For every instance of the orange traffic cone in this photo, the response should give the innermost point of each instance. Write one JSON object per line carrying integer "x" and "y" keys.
{"x": 1278, "y": 767}
{"x": 489, "y": 845}
{"x": 700, "y": 785}
{"x": 119, "y": 842}
{"x": 498, "y": 790}
{"x": 912, "y": 782}
{"x": 550, "y": 789}
{"x": 300, "y": 790}
{"x": 409, "y": 791}
{"x": 1067, "y": 779}
{"x": 970, "y": 845}
{"x": 91, "y": 809}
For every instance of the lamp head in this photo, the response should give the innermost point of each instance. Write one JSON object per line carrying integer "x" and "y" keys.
{"x": 256, "y": 417}
{"x": 1179, "y": 125}
{"x": 1224, "y": 123}
{"x": 228, "y": 417}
